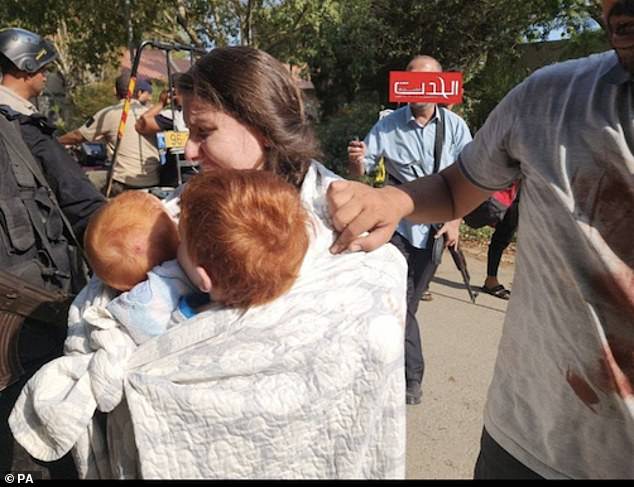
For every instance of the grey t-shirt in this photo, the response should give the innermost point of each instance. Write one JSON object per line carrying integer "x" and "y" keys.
{"x": 562, "y": 396}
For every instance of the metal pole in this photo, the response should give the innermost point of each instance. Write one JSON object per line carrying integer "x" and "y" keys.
{"x": 124, "y": 114}
{"x": 126, "y": 107}
{"x": 170, "y": 84}
{"x": 170, "y": 88}
{"x": 128, "y": 16}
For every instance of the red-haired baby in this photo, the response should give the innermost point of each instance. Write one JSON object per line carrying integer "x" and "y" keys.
{"x": 240, "y": 242}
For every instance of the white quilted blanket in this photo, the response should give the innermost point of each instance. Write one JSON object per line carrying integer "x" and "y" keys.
{"x": 309, "y": 386}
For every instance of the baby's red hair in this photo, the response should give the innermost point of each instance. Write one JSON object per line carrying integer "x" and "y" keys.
{"x": 127, "y": 237}
{"x": 248, "y": 230}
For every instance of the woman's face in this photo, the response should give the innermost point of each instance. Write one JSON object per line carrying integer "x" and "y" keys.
{"x": 218, "y": 140}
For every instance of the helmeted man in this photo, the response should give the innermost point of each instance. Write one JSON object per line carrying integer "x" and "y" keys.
{"x": 40, "y": 187}
{"x": 24, "y": 61}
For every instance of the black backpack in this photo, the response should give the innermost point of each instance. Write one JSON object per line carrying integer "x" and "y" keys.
{"x": 492, "y": 211}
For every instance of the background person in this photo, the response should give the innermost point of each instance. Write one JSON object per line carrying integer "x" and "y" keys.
{"x": 143, "y": 90}
{"x": 500, "y": 240}
{"x": 23, "y": 76}
{"x": 35, "y": 246}
{"x": 137, "y": 164}
{"x": 406, "y": 139}
{"x": 160, "y": 117}
{"x": 166, "y": 115}
{"x": 23, "y": 68}
{"x": 560, "y": 402}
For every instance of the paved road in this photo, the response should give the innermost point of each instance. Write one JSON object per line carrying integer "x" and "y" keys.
{"x": 459, "y": 344}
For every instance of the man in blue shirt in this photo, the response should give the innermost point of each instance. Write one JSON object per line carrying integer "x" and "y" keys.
{"x": 406, "y": 140}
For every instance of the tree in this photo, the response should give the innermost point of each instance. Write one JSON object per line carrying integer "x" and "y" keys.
{"x": 89, "y": 34}
{"x": 350, "y": 45}
{"x": 365, "y": 39}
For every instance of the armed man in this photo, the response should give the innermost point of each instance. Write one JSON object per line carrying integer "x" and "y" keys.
{"x": 45, "y": 202}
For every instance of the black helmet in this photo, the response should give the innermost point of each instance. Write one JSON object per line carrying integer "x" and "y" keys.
{"x": 27, "y": 51}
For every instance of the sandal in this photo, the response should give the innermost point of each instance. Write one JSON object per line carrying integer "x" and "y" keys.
{"x": 498, "y": 291}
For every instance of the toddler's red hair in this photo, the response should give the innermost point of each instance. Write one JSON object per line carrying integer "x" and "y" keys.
{"x": 127, "y": 237}
{"x": 248, "y": 230}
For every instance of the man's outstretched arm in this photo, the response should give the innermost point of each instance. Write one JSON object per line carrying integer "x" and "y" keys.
{"x": 356, "y": 208}
{"x": 71, "y": 138}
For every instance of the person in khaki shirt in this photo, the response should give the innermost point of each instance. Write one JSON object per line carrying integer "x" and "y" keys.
{"x": 137, "y": 164}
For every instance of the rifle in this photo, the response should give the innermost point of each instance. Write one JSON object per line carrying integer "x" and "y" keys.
{"x": 461, "y": 265}
{"x": 21, "y": 300}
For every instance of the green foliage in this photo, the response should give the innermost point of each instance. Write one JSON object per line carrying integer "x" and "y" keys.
{"x": 352, "y": 120}
{"x": 585, "y": 43}
{"x": 284, "y": 28}
{"x": 362, "y": 40}
{"x": 486, "y": 89}
{"x": 476, "y": 235}
{"x": 343, "y": 60}
{"x": 89, "y": 34}
{"x": 88, "y": 100}
{"x": 349, "y": 45}
{"x": 289, "y": 30}
{"x": 502, "y": 72}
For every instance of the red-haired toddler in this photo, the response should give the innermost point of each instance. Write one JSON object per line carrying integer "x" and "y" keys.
{"x": 240, "y": 242}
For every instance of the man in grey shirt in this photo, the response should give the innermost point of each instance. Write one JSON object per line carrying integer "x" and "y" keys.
{"x": 561, "y": 403}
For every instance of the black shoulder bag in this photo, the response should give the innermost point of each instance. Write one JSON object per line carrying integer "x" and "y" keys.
{"x": 438, "y": 244}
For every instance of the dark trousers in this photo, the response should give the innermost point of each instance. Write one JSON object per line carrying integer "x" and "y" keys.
{"x": 501, "y": 238}
{"x": 494, "y": 462}
{"x": 420, "y": 270}
{"x": 38, "y": 344}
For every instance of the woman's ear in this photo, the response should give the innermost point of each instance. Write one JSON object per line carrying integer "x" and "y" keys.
{"x": 203, "y": 280}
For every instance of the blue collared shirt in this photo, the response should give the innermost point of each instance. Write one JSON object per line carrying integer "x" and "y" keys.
{"x": 408, "y": 152}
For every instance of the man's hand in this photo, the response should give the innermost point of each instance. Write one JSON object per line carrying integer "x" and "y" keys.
{"x": 164, "y": 98}
{"x": 356, "y": 154}
{"x": 146, "y": 123}
{"x": 356, "y": 208}
{"x": 71, "y": 138}
{"x": 452, "y": 230}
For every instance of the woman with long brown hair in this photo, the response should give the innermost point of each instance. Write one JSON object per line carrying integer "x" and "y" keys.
{"x": 244, "y": 110}
{"x": 309, "y": 385}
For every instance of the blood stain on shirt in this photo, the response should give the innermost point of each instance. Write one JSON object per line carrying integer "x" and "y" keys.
{"x": 583, "y": 390}
{"x": 617, "y": 367}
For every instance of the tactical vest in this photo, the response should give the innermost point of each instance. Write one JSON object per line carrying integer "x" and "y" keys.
{"x": 33, "y": 244}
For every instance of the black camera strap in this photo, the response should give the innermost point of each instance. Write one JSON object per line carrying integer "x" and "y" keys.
{"x": 440, "y": 139}
{"x": 439, "y": 142}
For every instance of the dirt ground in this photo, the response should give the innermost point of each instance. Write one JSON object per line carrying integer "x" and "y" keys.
{"x": 460, "y": 341}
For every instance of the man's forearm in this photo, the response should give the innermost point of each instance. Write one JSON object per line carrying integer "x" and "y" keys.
{"x": 442, "y": 197}
{"x": 71, "y": 138}
{"x": 146, "y": 125}
{"x": 356, "y": 208}
{"x": 356, "y": 168}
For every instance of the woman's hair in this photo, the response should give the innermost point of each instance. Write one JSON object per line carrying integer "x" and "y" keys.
{"x": 258, "y": 90}
{"x": 127, "y": 237}
{"x": 248, "y": 230}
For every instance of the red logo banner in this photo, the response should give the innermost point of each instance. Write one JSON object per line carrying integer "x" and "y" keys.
{"x": 417, "y": 87}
